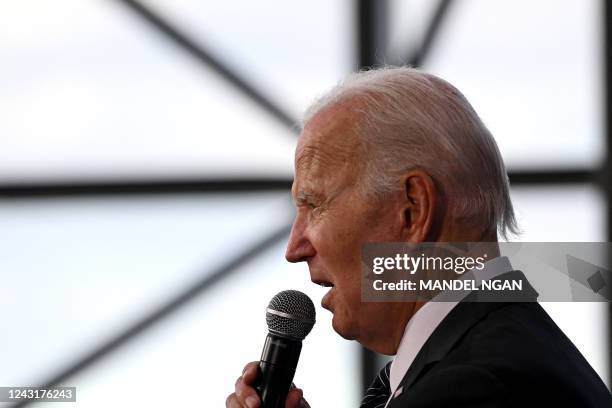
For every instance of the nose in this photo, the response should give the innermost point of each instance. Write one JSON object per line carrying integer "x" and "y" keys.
{"x": 299, "y": 247}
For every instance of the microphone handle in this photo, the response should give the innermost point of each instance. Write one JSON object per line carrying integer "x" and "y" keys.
{"x": 279, "y": 359}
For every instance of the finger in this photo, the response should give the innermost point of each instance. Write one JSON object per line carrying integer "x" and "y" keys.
{"x": 294, "y": 398}
{"x": 232, "y": 402}
{"x": 252, "y": 401}
{"x": 250, "y": 365}
{"x": 249, "y": 374}
{"x": 247, "y": 395}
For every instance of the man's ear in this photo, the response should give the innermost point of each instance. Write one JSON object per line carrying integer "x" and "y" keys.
{"x": 419, "y": 205}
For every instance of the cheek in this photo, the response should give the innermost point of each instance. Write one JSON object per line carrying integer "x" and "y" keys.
{"x": 346, "y": 318}
{"x": 339, "y": 247}
{"x": 348, "y": 290}
{"x": 342, "y": 259}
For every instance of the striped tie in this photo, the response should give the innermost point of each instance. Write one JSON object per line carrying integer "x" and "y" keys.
{"x": 379, "y": 391}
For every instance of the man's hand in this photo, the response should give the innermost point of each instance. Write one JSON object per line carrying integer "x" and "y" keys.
{"x": 245, "y": 396}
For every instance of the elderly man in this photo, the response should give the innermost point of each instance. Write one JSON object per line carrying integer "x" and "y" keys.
{"x": 398, "y": 155}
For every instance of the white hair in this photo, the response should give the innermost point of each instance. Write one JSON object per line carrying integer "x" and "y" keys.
{"x": 411, "y": 119}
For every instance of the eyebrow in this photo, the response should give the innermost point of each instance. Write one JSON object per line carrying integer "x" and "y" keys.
{"x": 306, "y": 197}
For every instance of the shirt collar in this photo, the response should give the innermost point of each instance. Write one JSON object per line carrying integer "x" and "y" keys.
{"x": 422, "y": 324}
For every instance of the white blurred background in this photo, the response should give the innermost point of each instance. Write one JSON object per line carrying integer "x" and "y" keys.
{"x": 91, "y": 93}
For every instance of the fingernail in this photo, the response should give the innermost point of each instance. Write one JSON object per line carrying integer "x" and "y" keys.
{"x": 251, "y": 401}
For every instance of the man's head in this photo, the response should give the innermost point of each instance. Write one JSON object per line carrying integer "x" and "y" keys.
{"x": 390, "y": 155}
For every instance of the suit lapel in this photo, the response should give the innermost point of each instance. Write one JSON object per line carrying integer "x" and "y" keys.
{"x": 460, "y": 320}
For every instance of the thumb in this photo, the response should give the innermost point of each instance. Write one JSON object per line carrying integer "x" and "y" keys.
{"x": 294, "y": 398}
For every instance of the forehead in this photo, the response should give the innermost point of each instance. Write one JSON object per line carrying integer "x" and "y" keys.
{"x": 329, "y": 141}
{"x": 327, "y": 156}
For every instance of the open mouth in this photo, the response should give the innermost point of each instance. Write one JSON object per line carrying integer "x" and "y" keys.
{"x": 323, "y": 283}
{"x": 326, "y": 300}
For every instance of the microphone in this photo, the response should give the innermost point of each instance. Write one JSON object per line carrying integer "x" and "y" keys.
{"x": 290, "y": 317}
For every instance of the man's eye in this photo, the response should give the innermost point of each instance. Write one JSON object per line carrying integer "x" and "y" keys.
{"x": 315, "y": 210}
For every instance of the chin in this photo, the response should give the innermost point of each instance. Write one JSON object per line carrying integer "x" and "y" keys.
{"x": 344, "y": 328}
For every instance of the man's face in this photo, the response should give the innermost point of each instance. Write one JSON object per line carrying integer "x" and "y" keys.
{"x": 334, "y": 219}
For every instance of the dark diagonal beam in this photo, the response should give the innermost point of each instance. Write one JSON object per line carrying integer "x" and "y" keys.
{"x": 418, "y": 56}
{"x": 205, "y": 57}
{"x": 171, "y": 306}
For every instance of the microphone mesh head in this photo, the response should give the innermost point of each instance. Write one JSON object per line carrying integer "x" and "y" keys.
{"x": 290, "y": 314}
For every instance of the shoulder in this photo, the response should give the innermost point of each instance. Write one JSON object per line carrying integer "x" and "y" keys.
{"x": 522, "y": 333}
{"x": 518, "y": 347}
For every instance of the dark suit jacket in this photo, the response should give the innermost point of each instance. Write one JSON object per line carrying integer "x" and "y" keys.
{"x": 500, "y": 354}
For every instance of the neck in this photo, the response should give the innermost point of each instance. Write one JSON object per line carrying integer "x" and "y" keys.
{"x": 398, "y": 314}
